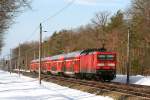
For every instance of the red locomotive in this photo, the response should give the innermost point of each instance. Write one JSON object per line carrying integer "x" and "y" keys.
{"x": 91, "y": 63}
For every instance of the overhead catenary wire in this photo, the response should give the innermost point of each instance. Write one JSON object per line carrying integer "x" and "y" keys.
{"x": 32, "y": 34}
{"x": 50, "y": 17}
{"x": 59, "y": 11}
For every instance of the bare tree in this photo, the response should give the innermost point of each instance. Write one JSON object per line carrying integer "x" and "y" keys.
{"x": 100, "y": 21}
{"x": 8, "y": 10}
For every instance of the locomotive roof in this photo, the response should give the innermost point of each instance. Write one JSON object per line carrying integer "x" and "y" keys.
{"x": 87, "y": 51}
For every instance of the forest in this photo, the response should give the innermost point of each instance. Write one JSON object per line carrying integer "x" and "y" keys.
{"x": 104, "y": 28}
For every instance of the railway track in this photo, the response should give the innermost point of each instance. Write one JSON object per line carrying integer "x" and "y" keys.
{"x": 135, "y": 90}
{"x": 131, "y": 90}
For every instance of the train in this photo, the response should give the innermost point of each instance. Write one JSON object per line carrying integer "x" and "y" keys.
{"x": 96, "y": 64}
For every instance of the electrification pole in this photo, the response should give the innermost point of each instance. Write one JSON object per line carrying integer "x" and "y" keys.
{"x": 40, "y": 53}
{"x": 44, "y": 48}
{"x": 3, "y": 62}
{"x": 26, "y": 62}
{"x": 34, "y": 54}
{"x": 128, "y": 57}
{"x": 19, "y": 60}
{"x": 10, "y": 68}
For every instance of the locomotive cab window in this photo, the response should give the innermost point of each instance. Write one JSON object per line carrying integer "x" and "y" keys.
{"x": 106, "y": 57}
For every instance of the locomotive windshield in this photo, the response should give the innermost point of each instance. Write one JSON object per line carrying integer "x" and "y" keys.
{"x": 106, "y": 57}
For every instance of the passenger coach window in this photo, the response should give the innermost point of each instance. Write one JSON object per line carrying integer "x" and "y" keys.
{"x": 106, "y": 57}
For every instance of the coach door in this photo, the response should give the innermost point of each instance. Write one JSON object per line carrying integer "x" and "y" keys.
{"x": 69, "y": 67}
{"x": 63, "y": 68}
{"x": 76, "y": 65}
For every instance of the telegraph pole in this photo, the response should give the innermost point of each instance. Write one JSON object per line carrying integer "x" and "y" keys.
{"x": 40, "y": 53}
{"x": 128, "y": 57}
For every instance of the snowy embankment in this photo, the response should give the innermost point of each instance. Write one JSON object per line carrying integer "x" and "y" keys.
{"x": 141, "y": 80}
{"x": 13, "y": 87}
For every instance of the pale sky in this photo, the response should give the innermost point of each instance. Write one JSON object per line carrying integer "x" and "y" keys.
{"x": 79, "y": 13}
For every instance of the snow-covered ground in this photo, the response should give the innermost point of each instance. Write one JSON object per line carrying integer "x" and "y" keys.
{"x": 138, "y": 79}
{"x": 13, "y": 87}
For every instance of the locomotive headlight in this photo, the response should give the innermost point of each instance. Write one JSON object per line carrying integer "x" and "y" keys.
{"x": 111, "y": 64}
{"x": 101, "y": 64}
